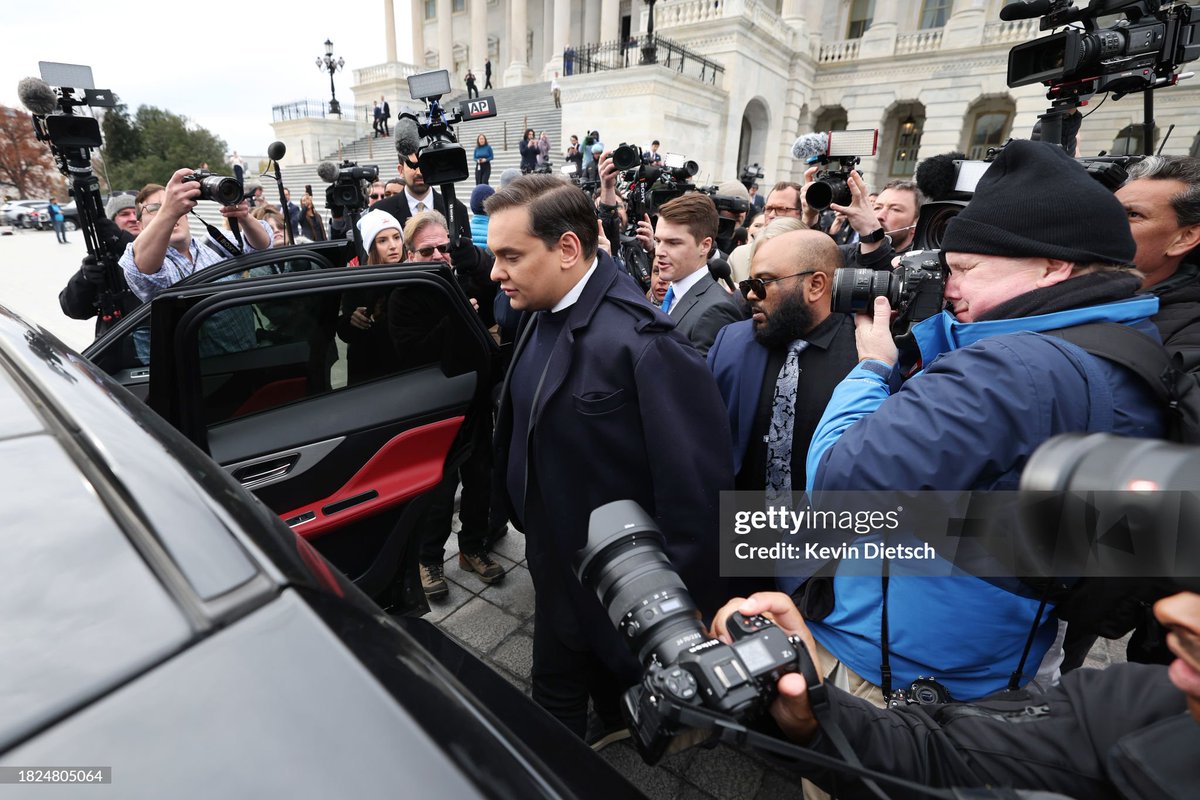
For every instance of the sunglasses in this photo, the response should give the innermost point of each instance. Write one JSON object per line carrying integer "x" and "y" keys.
{"x": 427, "y": 252}
{"x": 759, "y": 286}
{"x": 376, "y": 196}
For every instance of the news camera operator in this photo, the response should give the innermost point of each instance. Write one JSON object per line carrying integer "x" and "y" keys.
{"x": 165, "y": 251}
{"x": 1117, "y": 732}
{"x": 885, "y": 226}
{"x": 79, "y": 298}
{"x": 992, "y": 390}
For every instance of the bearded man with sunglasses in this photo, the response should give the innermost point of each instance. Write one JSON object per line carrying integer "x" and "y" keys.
{"x": 778, "y": 369}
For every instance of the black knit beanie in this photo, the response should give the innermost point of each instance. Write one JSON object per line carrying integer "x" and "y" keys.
{"x": 1036, "y": 201}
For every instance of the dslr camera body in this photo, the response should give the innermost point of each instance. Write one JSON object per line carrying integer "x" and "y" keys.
{"x": 217, "y": 188}
{"x": 685, "y": 670}
{"x": 914, "y": 288}
{"x": 847, "y": 148}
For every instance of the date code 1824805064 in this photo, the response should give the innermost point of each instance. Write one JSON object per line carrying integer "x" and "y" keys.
{"x": 55, "y": 775}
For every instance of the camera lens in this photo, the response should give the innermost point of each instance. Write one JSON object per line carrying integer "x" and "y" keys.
{"x": 626, "y": 156}
{"x": 226, "y": 191}
{"x": 932, "y": 224}
{"x": 855, "y": 289}
{"x": 624, "y": 564}
{"x": 828, "y": 190}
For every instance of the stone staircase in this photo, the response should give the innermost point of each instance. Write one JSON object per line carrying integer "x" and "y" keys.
{"x": 519, "y": 107}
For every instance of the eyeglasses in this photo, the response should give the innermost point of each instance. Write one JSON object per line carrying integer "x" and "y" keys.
{"x": 759, "y": 286}
{"x": 427, "y": 252}
{"x": 150, "y": 208}
{"x": 777, "y": 210}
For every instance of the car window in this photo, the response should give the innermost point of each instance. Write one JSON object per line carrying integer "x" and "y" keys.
{"x": 261, "y": 355}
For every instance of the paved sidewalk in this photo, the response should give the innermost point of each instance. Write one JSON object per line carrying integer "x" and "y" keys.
{"x": 497, "y": 623}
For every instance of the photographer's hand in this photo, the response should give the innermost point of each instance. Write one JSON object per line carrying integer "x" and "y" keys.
{"x": 257, "y": 236}
{"x": 608, "y": 179}
{"x": 873, "y": 334}
{"x": 808, "y": 215}
{"x": 791, "y": 709}
{"x": 645, "y": 234}
{"x": 860, "y": 213}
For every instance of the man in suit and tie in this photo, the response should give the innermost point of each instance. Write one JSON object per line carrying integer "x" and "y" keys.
{"x": 791, "y": 353}
{"x": 604, "y": 401}
{"x": 683, "y": 239}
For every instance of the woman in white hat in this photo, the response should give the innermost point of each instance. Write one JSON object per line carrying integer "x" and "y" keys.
{"x": 362, "y": 324}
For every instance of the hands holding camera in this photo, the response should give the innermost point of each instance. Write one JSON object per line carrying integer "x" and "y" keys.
{"x": 790, "y": 709}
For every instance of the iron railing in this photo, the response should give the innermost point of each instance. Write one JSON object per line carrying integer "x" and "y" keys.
{"x": 302, "y": 109}
{"x": 638, "y": 51}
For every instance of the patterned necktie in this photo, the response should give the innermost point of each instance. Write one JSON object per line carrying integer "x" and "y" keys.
{"x": 666, "y": 303}
{"x": 783, "y": 422}
{"x": 420, "y": 206}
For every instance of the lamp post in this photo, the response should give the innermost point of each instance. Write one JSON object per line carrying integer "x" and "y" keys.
{"x": 332, "y": 65}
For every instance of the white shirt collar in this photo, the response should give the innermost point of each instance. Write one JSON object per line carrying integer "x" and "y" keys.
{"x": 412, "y": 201}
{"x": 684, "y": 285}
{"x": 570, "y": 298}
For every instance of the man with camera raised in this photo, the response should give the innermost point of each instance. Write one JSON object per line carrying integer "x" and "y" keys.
{"x": 885, "y": 227}
{"x": 992, "y": 389}
{"x": 164, "y": 252}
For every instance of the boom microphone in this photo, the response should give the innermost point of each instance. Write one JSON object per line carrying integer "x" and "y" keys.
{"x": 1025, "y": 9}
{"x": 37, "y": 96}
{"x": 327, "y": 171}
{"x": 936, "y": 175}
{"x": 408, "y": 141}
{"x": 276, "y": 150}
{"x": 810, "y": 145}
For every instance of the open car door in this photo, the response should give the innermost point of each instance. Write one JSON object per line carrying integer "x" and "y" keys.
{"x": 340, "y": 428}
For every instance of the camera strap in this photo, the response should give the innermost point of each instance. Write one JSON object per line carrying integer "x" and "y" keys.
{"x": 217, "y": 241}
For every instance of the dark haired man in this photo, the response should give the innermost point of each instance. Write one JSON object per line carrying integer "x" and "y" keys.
{"x": 683, "y": 238}
{"x": 604, "y": 401}
{"x": 1162, "y": 201}
{"x": 885, "y": 223}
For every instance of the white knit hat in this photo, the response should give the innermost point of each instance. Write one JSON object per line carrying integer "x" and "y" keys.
{"x": 374, "y": 221}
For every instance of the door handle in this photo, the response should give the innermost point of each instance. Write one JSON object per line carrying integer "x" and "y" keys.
{"x": 266, "y": 470}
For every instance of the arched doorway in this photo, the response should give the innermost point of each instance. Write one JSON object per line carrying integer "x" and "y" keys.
{"x": 752, "y": 142}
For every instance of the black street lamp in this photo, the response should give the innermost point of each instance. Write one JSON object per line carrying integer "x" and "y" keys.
{"x": 333, "y": 65}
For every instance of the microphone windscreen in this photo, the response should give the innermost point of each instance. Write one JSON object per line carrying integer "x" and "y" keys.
{"x": 327, "y": 171}
{"x": 719, "y": 269}
{"x": 37, "y": 96}
{"x": 276, "y": 150}
{"x": 1024, "y": 9}
{"x": 809, "y": 145}
{"x": 937, "y": 175}
{"x": 408, "y": 140}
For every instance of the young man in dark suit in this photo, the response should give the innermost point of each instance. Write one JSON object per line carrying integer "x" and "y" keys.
{"x": 604, "y": 401}
{"x": 683, "y": 239}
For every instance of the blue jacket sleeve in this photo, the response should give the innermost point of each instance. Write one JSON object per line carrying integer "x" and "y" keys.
{"x": 971, "y": 419}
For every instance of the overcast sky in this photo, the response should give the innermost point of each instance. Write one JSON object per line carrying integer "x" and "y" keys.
{"x": 221, "y": 64}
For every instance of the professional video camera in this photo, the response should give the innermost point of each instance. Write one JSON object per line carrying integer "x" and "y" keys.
{"x": 751, "y": 174}
{"x": 442, "y": 160}
{"x": 914, "y": 289}
{"x": 1140, "y": 53}
{"x": 217, "y": 188}
{"x": 52, "y": 101}
{"x": 624, "y": 564}
{"x": 847, "y": 148}
{"x": 577, "y": 177}
{"x": 347, "y": 185}
{"x": 647, "y": 187}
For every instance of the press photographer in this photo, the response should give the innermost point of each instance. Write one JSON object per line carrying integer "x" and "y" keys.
{"x": 165, "y": 252}
{"x": 80, "y": 298}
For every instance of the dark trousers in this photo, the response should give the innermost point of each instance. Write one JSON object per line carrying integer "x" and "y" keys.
{"x": 564, "y": 679}
{"x": 483, "y": 173}
{"x": 473, "y": 510}
{"x": 487, "y": 84}
{"x": 472, "y": 91}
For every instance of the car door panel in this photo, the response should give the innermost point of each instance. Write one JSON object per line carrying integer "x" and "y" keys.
{"x": 259, "y": 412}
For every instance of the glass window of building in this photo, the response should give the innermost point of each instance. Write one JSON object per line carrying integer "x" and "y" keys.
{"x": 989, "y": 129}
{"x": 861, "y": 12}
{"x": 934, "y": 13}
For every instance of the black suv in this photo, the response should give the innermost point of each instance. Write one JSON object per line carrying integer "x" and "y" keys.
{"x": 157, "y": 619}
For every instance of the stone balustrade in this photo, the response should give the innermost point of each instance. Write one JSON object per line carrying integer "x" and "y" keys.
{"x": 1021, "y": 30}
{"x": 835, "y": 52}
{"x": 925, "y": 41}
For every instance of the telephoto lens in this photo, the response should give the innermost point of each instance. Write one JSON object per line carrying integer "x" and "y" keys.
{"x": 627, "y": 156}
{"x": 855, "y": 289}
{"x": 217, "y": 188}
{"x": 624, "y": 564}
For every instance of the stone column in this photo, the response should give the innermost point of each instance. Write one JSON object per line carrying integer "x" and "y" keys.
{"x": 518, "y": 72}
{"x": 389, "y": 25}
{"x": 610, "y": 20}
{"x": 445, "y": 28}
{"x": 591, "y": 23}
{"x": 479, "y": 39}
{"x": 880, "y": 39}
{"x": 418, "y": 32}
{"x": 562, "y": 37}
{"x": 965, "y": 26}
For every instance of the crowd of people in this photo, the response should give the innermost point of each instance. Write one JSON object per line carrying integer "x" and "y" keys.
{"x": 726, "y": 367}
